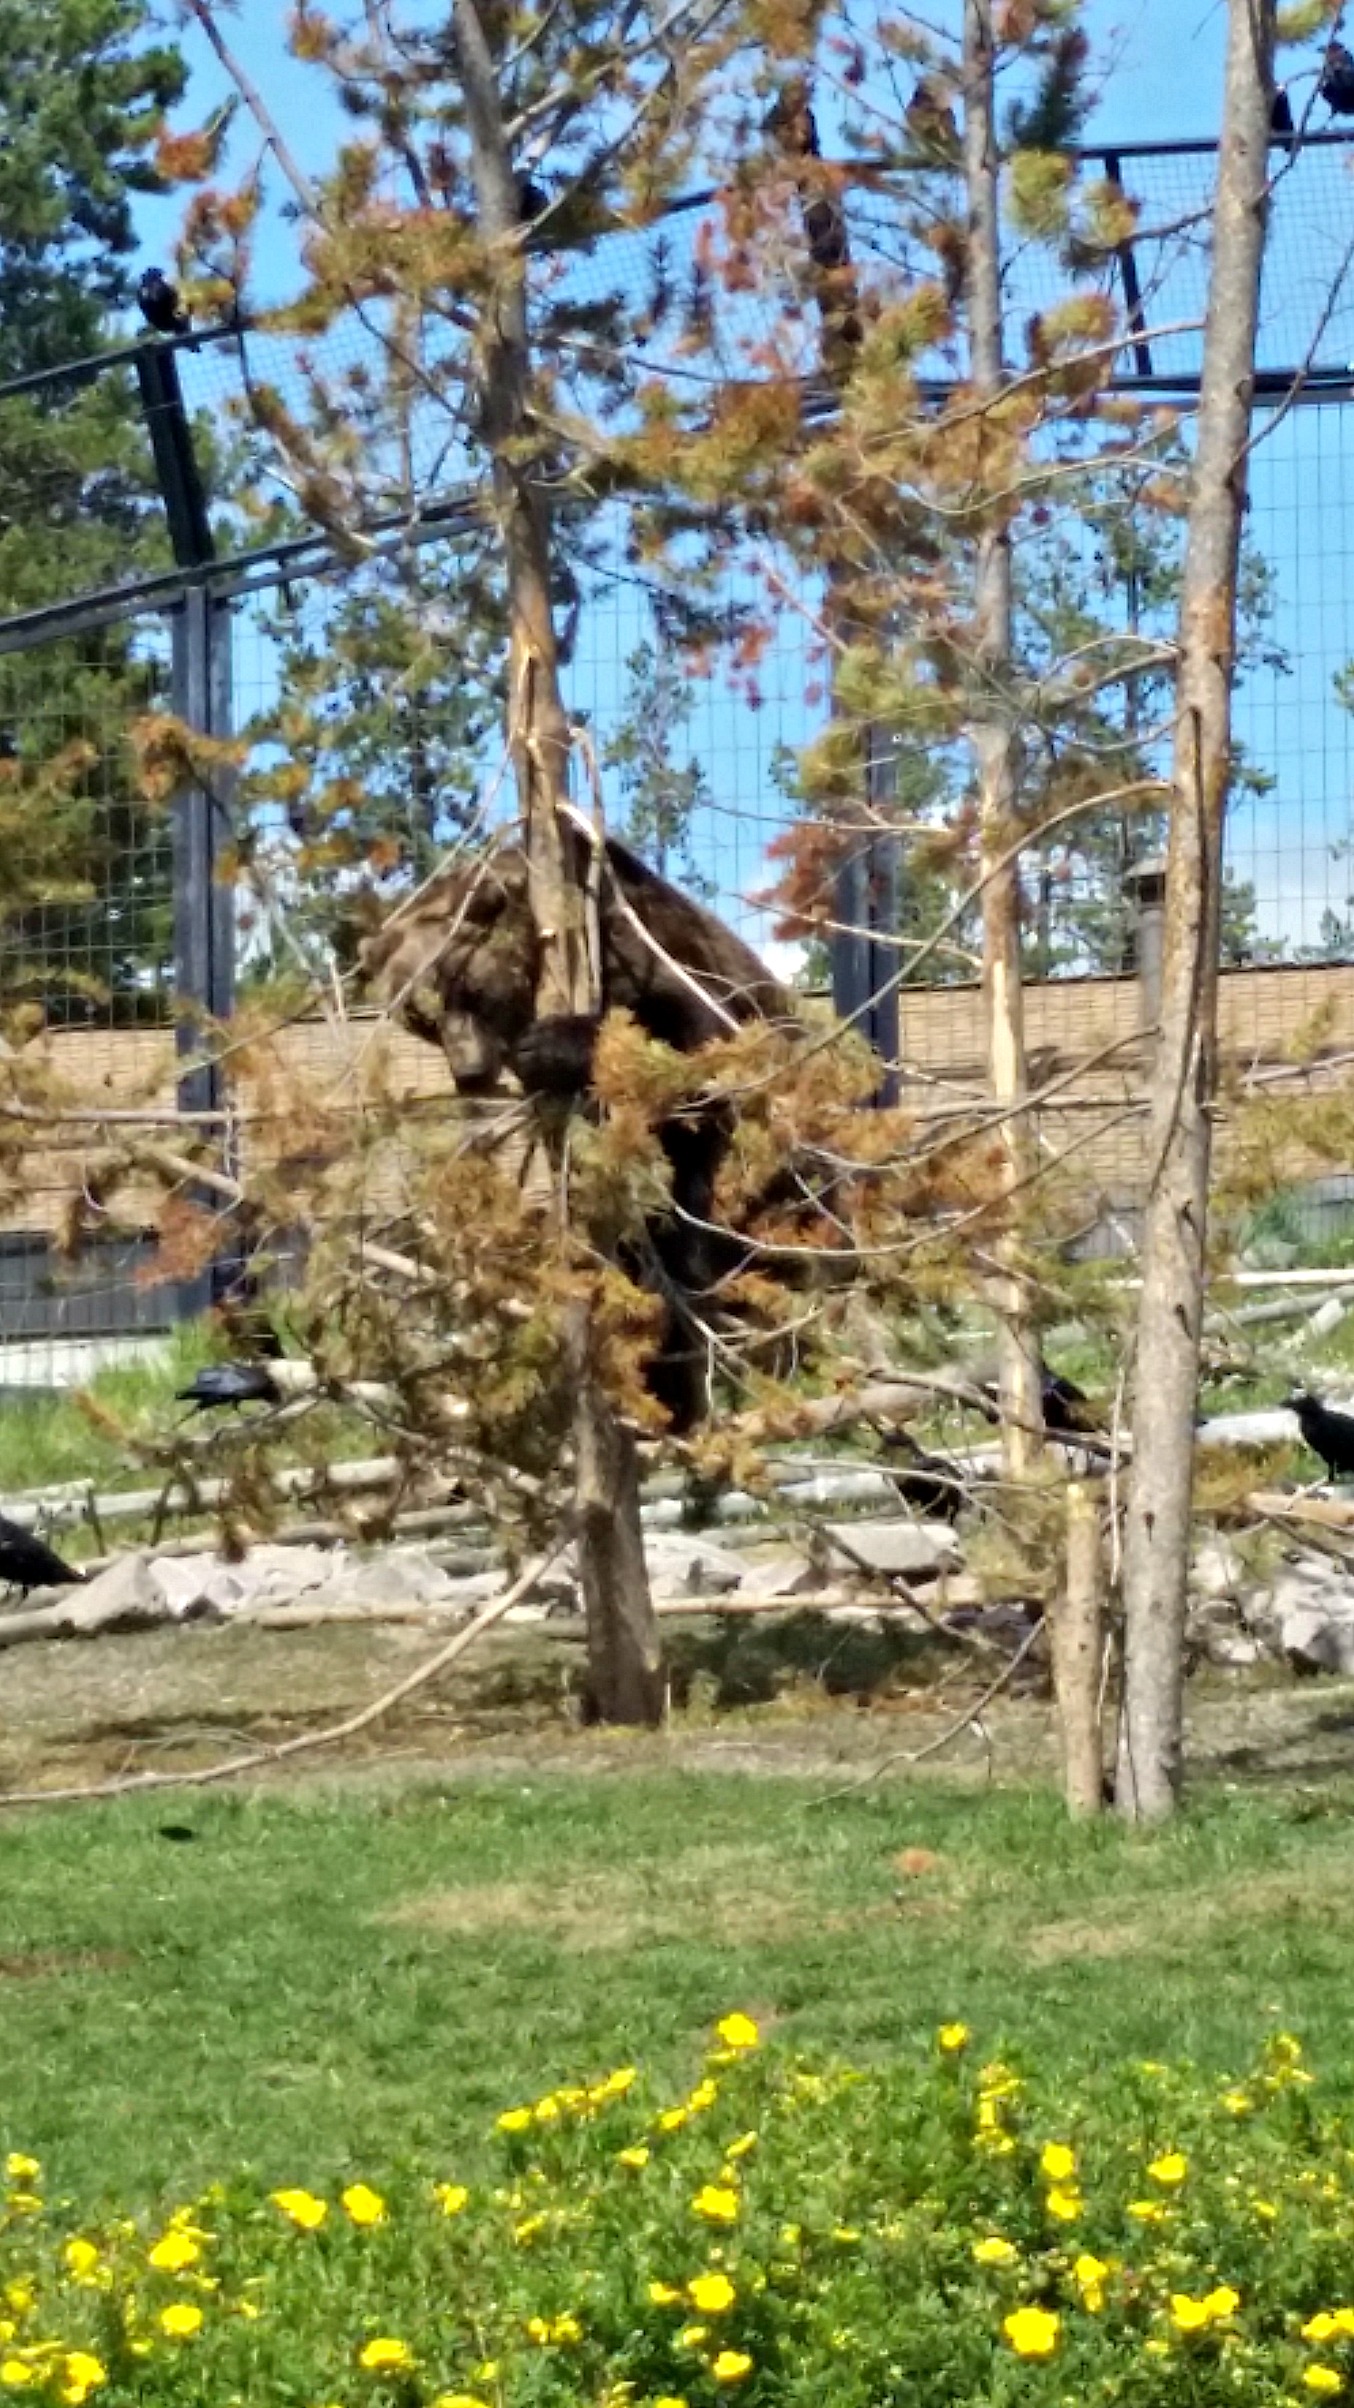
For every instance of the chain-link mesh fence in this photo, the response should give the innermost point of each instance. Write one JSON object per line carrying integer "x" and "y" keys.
{"x": 227, "y": 580}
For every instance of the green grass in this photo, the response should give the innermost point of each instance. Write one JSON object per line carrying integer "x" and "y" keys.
{"x": 329, "y": 1981}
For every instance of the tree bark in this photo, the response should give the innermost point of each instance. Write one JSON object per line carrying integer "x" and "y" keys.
{"x": 993, "y": 741}
{"x": 1076, "y": 1643}
{"x": 1157, "y": 1529}
{"x": 624, "y": 1649}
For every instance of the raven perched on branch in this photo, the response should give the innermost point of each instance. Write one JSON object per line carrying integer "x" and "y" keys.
{"x": 160, "y": 304}
{"x": 27, "y": 1562}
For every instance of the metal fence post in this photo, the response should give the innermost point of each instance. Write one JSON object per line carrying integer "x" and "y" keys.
{"x": 867, "y": 908}
{"x": 204, "y": 931}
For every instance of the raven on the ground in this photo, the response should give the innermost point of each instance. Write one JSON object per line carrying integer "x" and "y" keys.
{"x": 27, "y": 1562}
{"x": 229, "y": 1384}
{"x": 160, "y": 304}
{"x": 1329, "y": 1435}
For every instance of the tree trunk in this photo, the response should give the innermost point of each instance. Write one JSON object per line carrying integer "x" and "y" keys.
{"x": 993, "y": 740}
{"x": 625, "y": 1659}
{"x": 1076, "y": 1644}
{"x": 624, "y": 1650}
{"x": 1157, "y": 1529}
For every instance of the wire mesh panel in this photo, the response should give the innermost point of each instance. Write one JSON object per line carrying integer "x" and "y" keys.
{"x": 201, "y": 567}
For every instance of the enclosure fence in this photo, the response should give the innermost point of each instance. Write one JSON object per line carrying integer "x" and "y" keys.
{"x": 130, "y": 976}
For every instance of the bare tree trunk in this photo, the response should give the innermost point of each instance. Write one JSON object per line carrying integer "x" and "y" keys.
{"x": 993, "y": 741}
{"x": 1076, "y": 1644}
{"x": 623, "y": 1641}
{"x": 1157, "y": 1530}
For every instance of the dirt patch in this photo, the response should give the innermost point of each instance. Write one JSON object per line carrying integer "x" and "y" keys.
{"x": 728, "y": 1894}
{"x": 45, "y": 1964}
{"x": 1250, "y": 1898}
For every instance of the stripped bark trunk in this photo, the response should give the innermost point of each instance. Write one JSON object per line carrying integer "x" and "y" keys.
{"x": 1170, "y": 1315}
{"x": 993, "y": 742}
{"x": 623, "y": 1643}
{"x": 1076, "y": 1643}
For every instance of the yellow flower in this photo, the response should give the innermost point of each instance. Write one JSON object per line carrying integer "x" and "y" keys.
{"x": 731, "y": 2365}
{"x": 740, "y": 2147}
{"x": 25, "y": 2203}
{"x": 664, "y": 2295}
{"x": 15, "y": 2373}
{"x": 738, "y": 2032}
{"x": 1169, "y": 2170}
{"x": 84, "y": 2373}
{"x": 670, "y": 2399}
{"x": 514, "y": 2119}
{"x": 487, "y": 2371}
{"x": 565, "y": 2329}
{"x": 995, "y": 2252}
{"x": 546, "y": 2110}
{"x": 1265, "y": 2209}
{"x": 301, "y": 2207}
{"x": 1344, "y": 2321}
{"x": 704, "y": 2095}
{"x": 528, "y": 2228}
{"x": 616, "y": 2084}
{"x": 1189, "y": 2315}
{"x": 1323, "y": 2380}
{"x": 712, "y": 2294}
{"x": 673, "y": 2118}
{"x": 450, "y": 2196}
{"x": 172, "y": 2252}
{"x": 1032, "y": 2332}
{"x": 952, "y": 2037}
{"x": 1065, "y": 2204}
{"x": 718, "y": 2206}
{"x": 1089, "y": 2274}
{"x": 385, "y": 2355}
{"x": 638, "y": 2156}
{"x": 81, "y": 2258}
{"x": 20, "y": 2296}
{"x": 1057, "y": 2161}
{"x": 180, "y": 2320}
{"x": 364, "y": 2206}
{"x": 19, "y": 2168}
{"x": 1224, "y": 2301}
{"x": 538, "y": 2330}
{"x": 457, "y": 2399}
{"x": 1320, "y": 2327}
{"x": 1236, "y": 2102}
{"x": 692, "y": 2335}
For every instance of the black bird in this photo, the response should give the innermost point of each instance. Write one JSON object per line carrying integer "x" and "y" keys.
{"x": 160, "y": 304}
{"x": 1068, "y": 1411}
{"x": 928, "y": 1483}
{"x": 28, "y": 1563}
{"x": 229, "y": 1384}
{"x": 1281, "y": 124}
{"x": 1329, "y": 1435}
{"x": 1337, "y": 80}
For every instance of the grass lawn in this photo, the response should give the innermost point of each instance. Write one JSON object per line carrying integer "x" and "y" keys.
{"x": 337, "y": 1979}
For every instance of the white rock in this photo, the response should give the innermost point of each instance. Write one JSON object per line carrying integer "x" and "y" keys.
{"x": 366, "y": 1583}
{"x": 689, "y": 1565}
{"x": 903, "y": 1546}
{"x": 1216, "y": 1570}
{"x": 125, "y": 1597}
{"x": 1314, "y": 1642}
{"x": 784, "y": 1573}
{"x": 841, "y": 1488}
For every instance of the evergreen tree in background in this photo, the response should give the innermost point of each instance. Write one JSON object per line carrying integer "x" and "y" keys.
{"x": 85, "y": 912}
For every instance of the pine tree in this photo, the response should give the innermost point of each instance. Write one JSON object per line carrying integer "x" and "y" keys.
{"x": 84, "y": 919}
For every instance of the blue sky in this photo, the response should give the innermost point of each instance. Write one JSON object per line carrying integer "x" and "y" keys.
{"x": 1162, "y": 69}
